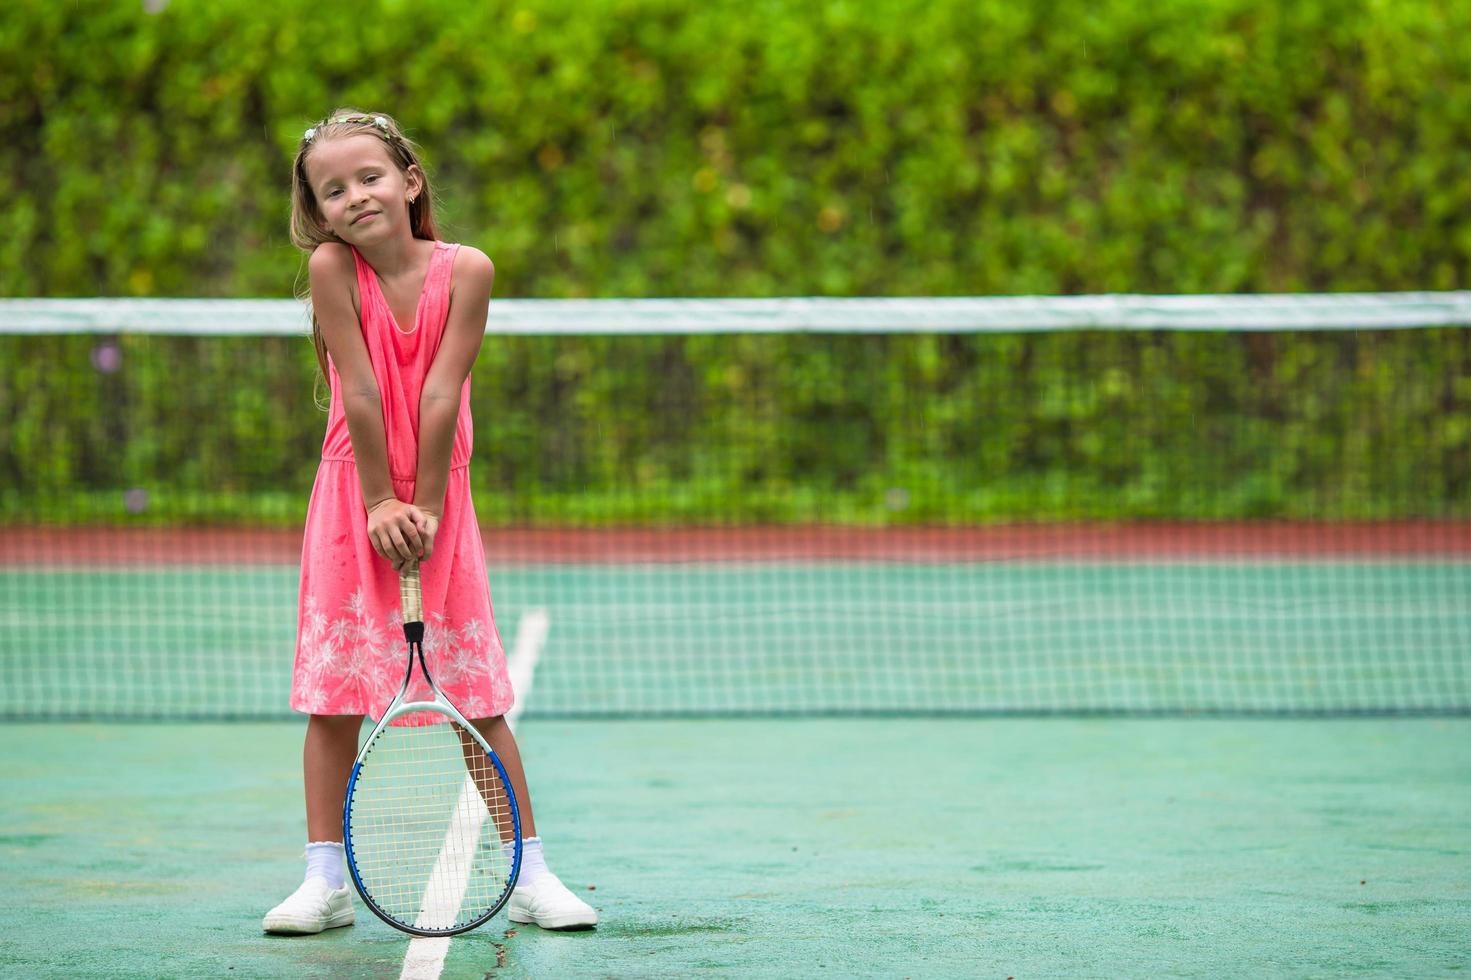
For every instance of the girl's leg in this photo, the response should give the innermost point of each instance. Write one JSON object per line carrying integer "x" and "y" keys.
{"x": 539, "y": 895}
{"x": 323, "y": 900}
{"x": 498, "y": 734}
{"x": 331, "y": 746}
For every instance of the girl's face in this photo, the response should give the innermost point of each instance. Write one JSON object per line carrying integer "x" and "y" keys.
{"x": 361, "y": 193}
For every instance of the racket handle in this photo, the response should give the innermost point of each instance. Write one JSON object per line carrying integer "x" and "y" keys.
{"x": 410, "y": 595}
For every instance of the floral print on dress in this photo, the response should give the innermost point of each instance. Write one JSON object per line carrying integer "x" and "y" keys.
{"x": 350, "y": 659}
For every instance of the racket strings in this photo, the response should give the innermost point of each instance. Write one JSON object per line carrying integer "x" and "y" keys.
{"x": 428, "y": 816}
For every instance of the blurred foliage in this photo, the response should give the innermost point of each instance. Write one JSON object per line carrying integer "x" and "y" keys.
{"x": 655, "y": 147}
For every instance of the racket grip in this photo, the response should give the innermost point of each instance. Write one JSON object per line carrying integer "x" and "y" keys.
{"x": 410, "y": 595}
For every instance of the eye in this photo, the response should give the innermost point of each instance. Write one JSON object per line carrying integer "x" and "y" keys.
{"x": 365, "y": 179}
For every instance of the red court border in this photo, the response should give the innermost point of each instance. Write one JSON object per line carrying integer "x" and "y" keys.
{"x": 1425, "y": 540}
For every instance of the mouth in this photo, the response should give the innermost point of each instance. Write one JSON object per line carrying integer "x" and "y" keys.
{"x": 364, "y": 217}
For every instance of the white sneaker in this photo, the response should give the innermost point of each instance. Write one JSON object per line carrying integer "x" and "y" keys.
{"x": 314, "y": 906}
{"x": 550, "y": 905}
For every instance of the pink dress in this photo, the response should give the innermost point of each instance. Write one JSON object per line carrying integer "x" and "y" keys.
{"x": 350, "y": 648}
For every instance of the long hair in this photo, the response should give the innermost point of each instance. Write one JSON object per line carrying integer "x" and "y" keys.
{"x": 306, "y": 215}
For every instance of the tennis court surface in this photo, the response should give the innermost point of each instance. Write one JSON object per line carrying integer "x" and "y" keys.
{"x": 960, "y": 638}
{"x": 778, "y": 847}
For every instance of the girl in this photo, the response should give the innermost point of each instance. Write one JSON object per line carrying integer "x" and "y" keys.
{"x": 398, "y": 317}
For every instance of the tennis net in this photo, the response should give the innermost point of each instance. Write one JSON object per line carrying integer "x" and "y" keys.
{"x": 934, "y": 505}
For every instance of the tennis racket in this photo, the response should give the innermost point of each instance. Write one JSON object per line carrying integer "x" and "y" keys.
{"x": 430, "y": 823}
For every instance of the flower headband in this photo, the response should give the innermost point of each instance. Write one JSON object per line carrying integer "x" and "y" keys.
{"x": 378, "y": 121}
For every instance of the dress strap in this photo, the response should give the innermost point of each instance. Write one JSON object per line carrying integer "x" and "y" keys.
{"x": 436, "y": 299}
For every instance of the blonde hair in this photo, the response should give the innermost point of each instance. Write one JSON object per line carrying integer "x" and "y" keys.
{"x": 306, "y": 215}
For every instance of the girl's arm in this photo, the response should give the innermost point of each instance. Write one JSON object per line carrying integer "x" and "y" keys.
{"x": 392, "y": 526}
{"x": 439, "y": 402}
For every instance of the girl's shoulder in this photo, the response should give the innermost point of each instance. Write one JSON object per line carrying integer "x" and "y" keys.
{"x": 470, "y": 262}
{"x": 467, "y": 253}
{"x": 331, "y": 256}
{"x": 336, "y": 264}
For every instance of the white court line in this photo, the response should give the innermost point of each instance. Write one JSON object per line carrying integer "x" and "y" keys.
{"x": 531, "y": 634}
{"x": 451, "y": 874}
{"x": 425, "y": 958}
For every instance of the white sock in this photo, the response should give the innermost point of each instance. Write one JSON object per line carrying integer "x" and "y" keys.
{"x": 325, "y": 860}
{"x": 533, "y": 862}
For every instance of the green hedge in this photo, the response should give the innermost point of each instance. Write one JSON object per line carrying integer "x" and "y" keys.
{"x": 654, "y": 147}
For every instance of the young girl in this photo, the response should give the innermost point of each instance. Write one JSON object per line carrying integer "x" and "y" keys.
{"x": 398, "y": 317}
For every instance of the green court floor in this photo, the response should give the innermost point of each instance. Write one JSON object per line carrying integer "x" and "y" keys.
{"x": 1003, "y": 847}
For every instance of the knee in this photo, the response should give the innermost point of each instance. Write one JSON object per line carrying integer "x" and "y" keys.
{"x": 486, "y": 726}
{"x": 336, "y": 723}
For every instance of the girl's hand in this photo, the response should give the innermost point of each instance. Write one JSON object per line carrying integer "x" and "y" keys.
{"x": 428, "y": 528}
{"x": 393, "y": 527}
